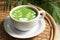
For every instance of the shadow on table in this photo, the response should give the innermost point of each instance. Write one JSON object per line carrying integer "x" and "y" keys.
{"x": 5, "y": 36}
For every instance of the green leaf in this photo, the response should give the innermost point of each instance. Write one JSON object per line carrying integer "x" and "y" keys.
{"x": 56, "y": 12}
{"x": 16, "y": 2}
{"x": 6, "y": 4}
{"x": 25, "y": 2}
{"x": 21, "y": 1}
{"x": 10, "y": 4}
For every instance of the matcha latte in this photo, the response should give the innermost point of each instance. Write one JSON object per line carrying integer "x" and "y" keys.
{"x": 24, "y": 14}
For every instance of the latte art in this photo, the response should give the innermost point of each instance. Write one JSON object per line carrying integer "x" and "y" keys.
{"x": 24, "y": 14}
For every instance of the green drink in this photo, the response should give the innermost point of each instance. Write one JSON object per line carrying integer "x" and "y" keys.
{"x": 24, "y": 14}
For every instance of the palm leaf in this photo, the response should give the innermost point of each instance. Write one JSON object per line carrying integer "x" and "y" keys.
{"x": 10, "y": 4}
{"x": 25, "y": 2}
{"x": 56, "y": 12}
{"x": 16, "y": 2}
{"x": 6, "y": 4}
{"x": 21, "y": 1}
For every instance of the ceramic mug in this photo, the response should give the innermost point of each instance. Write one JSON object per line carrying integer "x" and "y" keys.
{"x": 27, "y": 25}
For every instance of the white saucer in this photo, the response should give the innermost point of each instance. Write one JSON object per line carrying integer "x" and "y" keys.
{"x": 20, "y": 34}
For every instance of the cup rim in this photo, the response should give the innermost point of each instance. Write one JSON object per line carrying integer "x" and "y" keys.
{"x": 23, "y": 6}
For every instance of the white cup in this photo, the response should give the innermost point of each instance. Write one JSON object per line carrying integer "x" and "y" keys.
{"x": 27, "y": 25}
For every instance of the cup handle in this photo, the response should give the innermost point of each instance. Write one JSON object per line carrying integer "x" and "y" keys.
{"x": 43, "y": 13}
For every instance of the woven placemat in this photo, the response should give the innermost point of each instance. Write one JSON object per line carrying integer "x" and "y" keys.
{"x": 48, "y": 34}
